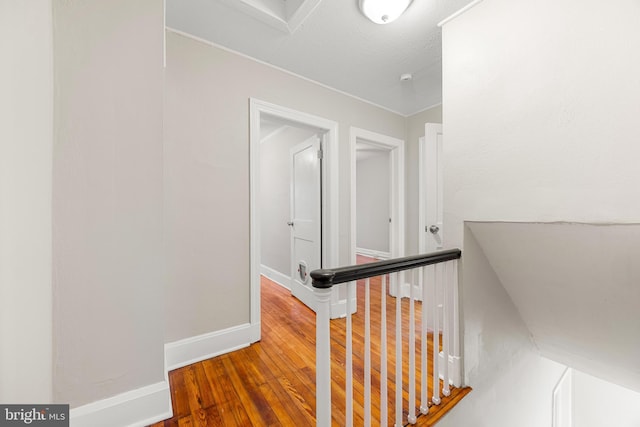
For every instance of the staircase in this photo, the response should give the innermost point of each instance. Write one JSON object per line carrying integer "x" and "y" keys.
{"x": 386, "y": 370}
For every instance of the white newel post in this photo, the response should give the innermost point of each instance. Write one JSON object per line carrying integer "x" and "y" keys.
{"x": 323, "y": 358}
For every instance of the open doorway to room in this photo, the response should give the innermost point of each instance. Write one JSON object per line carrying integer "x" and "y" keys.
{"x": 385, "y": 153}
{"x": 377, "y": 197}
{"x": 373, "y": 202}
{"x": 290, "y": 203}
{"x": 293, "y": 180}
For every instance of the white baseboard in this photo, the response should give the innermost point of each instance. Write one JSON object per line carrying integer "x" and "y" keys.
{"x": 455, "y": 369}
{"x": 405, "y": 291}
{"x": 373, "y": 253}
{"x": 275, "y": 276}
{"x": 139, "y": 407}
{"x": 152, "y": 403}
{"x": 194, "y": 349}
{"x": 339, "y": 308}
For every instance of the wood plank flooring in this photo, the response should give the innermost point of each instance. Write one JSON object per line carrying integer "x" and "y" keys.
{"x": 272, "y": 382}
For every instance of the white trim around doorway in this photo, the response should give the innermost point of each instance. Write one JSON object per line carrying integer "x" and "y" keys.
{"x": 329, "y": 190}
{"x": 395, "y": 147}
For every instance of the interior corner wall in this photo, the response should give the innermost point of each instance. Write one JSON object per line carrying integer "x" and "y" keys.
{"x": 512, "y": 384}
{"x": 415, "y": 130}
{"x": 107, "y": 198}
{"x": 207, "y": 174}
{"x": 26, "y": 141}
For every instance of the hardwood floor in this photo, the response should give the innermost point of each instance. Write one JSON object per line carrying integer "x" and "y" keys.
{"x": 272, "y": 382}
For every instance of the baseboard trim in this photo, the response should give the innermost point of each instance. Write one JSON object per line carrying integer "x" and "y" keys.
{"x": 339, "y": 308}
{"x": 201, "y": 347}
{"x": 152, "y": 403}
{"x": 373, "y": 253}
{"x": 139, "y": 407}
{"x": 275, "y": 276}
{"x": 405, "y": 291}
{"x": 455, "y": 369}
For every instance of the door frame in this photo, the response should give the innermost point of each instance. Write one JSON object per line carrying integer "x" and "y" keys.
{"x": 396, "y": 150}
{"x": 429, "y": 154}
{"x": 329, "y": 178}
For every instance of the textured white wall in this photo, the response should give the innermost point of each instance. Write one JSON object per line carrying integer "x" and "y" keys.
{"x": 107, "y": 198}
{"x": 541, "y": 100}
{"x": 207, "y": 174}
{"x": 26, "y": 141}
{"x": 541, "y": 125}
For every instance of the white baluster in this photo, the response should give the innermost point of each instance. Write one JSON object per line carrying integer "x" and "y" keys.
{"x": 367, "y": 354}
{"x": 384, "y": 403}
{"x": 323, "y": 358}
{"x": 446, "y": 283}
{"x": 424, "y": 405}
{"x": 349, "y": 361}
{"x": 457, "y": 376}
{"x": 411, "y": 417}
{"x": 399, "y": 350}
{"x": 436, "y": 338}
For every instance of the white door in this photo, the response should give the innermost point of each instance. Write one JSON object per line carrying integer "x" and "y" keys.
{"x": 306, "y": 214}
{"x": 431, "y": 190}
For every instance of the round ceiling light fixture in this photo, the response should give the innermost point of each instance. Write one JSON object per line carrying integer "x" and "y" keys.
{"x": 383, "y": 11}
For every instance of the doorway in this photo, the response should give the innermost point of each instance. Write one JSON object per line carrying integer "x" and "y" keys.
{"x": 267, "y": 121}
{"x": 393, "y": 148}
{"x": 431, "y": 189}
{"x": 373, "y": 201}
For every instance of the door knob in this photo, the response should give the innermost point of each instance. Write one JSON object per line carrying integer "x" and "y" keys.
{"x": 290, "y": 223}
{"x": 434, "y": 229}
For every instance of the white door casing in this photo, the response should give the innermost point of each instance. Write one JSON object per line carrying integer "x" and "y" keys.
{"x": 395, "y": 147}
{"x": 305, "y": 217}
{"x": 330, "y": 236}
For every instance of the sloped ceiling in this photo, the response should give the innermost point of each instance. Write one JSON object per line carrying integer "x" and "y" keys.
{"x": 577, "y": 287}
{"x": 336, "y": 45}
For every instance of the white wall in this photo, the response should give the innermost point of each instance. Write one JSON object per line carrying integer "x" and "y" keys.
{"x": 559, "y": 275}
{"x": 541, "y": 125}
{"x": 512, "y": 384}
{"x": 541, "y": 100}
{"x": 591, "y": 395}
{"x": 107, "y": 198}
{"x": 26, "y": 140}
{"x": 207, "y": 174}
{"x": 275, "y": 199}
{"x": 372, "y": 202}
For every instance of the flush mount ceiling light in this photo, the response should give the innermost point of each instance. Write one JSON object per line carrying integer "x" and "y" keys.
{"x": 383, "y": 11}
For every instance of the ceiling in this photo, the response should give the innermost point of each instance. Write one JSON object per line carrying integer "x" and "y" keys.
{"x": 331, "y": 42}
{"x": 576, "y": 288}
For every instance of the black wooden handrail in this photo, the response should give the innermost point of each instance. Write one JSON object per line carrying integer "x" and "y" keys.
{"x": 326, "y": 278}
